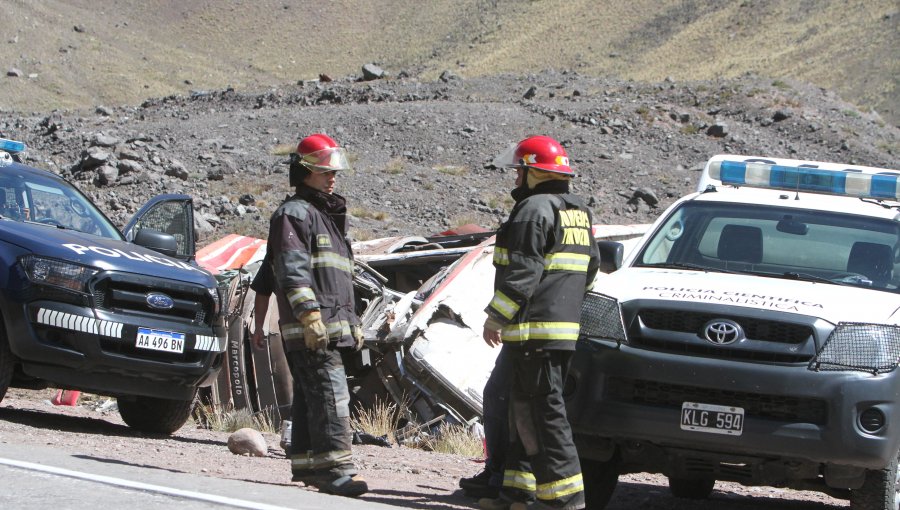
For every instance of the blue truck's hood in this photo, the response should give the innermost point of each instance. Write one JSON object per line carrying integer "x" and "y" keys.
{"x": 100, "y": 252}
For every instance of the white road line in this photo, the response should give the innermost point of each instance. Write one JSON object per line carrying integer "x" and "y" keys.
{"x": 119, "y": 482}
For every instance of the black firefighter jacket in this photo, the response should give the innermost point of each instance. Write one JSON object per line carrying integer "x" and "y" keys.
{"x": 313, "y": 265}
{"x": 545, "y": 258}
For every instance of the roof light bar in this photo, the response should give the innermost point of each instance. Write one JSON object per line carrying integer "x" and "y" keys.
{"x": 848, "y": 182}
{"x": 11, "y": 145}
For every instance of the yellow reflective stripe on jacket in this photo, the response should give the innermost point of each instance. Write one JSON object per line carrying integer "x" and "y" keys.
{"x": 522, "y": 480}
{"x": 501, "y": 256}
{"x": 540, "y": 331}
{"x": 560, "y": 488}
{"x": 331, "y": 259}
{"x": 299, "y": 295}
{"x": 291, "y": 331}
{"x": 504, "y": 306}
{"x": 337, "y": 329}
{"x": 324, "y": 460}
{"x": 563, "y": 261}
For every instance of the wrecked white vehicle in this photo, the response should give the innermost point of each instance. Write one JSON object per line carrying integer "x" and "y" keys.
{"x": 445, "y": 363}
{"x": 393, "y": 278}
{"x": 421, "y": 300}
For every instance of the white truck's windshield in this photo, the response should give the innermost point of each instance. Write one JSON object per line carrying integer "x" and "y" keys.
{"x": 781, "y": 242}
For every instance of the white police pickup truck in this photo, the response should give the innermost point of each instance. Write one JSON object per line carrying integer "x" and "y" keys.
{"x": 751, "y": 336}
{"x": 86, "y": 307}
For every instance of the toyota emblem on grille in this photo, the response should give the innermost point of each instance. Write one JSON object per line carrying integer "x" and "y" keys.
{"x": 722, "y": 332}
{"x": 160, "y": 301}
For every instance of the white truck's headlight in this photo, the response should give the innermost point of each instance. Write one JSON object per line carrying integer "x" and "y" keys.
{"x": 59, "y": 273}
{"x": 601, "y": 317}
{"x": 865, "y": 347}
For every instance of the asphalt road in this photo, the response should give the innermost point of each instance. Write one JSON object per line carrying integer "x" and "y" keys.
{"x": 36, "y": 477}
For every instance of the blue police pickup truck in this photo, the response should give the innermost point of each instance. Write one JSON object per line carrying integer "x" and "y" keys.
{"x": 84, "y": 306}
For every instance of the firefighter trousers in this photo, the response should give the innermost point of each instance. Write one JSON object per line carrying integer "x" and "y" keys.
{"x": 299, "y": 421}
{"x": 496, "y": 416}
{"x": 542, "y": 461}
{"x": 324, "y": 399}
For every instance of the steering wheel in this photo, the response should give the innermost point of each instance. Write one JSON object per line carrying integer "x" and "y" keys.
{"x": 77, "y": 207}
{"x": 675, "y": 231}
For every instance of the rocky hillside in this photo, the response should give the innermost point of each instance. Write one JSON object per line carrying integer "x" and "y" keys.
{"x": 84, "y": 53}
{"x": 421, "y": 149}
{"x": 133, "y": 97}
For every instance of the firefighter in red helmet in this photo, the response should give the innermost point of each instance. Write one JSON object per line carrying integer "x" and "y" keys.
{"x": 318, "y": 154}
{"x": 545, "y": 259}
{"x": 313, "y": 270}
{"x": 539, "y": 153}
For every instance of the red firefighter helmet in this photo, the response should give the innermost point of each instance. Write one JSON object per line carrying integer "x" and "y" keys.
{"x": 320, "y": 153}
{"x": 316, "y": 153}
{"x": 539, "y": 152}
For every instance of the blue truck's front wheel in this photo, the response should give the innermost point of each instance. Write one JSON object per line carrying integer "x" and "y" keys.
{"x": 155, "y": 415}
{"x": 6, "y": 362}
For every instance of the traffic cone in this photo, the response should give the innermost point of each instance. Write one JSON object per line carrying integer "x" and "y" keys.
{"x": 66, "y": 398}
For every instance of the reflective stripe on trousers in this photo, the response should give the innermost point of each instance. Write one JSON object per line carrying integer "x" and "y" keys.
{"x": 310, "y": 461}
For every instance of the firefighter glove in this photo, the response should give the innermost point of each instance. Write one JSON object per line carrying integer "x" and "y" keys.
{"x": 314, "y": 333}
{"x": 357, "y": 333}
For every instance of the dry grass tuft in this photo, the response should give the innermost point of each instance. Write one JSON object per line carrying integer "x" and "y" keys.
{"x": 283, "y": 149}
{"x": 452, "y": 170}
{"x": 395, "y": 166}
{"x": 456, "y": 439}
{"x": 382, "y": 419}
{"x": 222, "y": 420}
{"x": 448, "y": 438}
{"x": 362, "y": 212}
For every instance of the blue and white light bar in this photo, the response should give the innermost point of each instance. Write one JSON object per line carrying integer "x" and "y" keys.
{"x": 11, "y": 145}
{"x": 862, "y": 182}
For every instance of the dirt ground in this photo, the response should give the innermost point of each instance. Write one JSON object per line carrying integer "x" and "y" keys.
{"x": 402, "y": 477}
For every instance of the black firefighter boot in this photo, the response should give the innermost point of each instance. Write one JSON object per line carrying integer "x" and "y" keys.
{"x": 479, "y": 486}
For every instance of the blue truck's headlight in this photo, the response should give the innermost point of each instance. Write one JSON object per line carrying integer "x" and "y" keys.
{"x": 216, "y": 294}
{"x": 602, "y": 318}
{"x": 854, "y": 346}
{"x": 58, "y": 273}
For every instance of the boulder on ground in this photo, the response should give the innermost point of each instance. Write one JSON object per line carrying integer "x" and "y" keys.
{"x": 247, "y": 441}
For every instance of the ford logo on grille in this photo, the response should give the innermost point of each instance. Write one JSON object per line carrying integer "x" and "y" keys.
{"x": 160, "y": 301}
{"x": 722, "y": 332}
